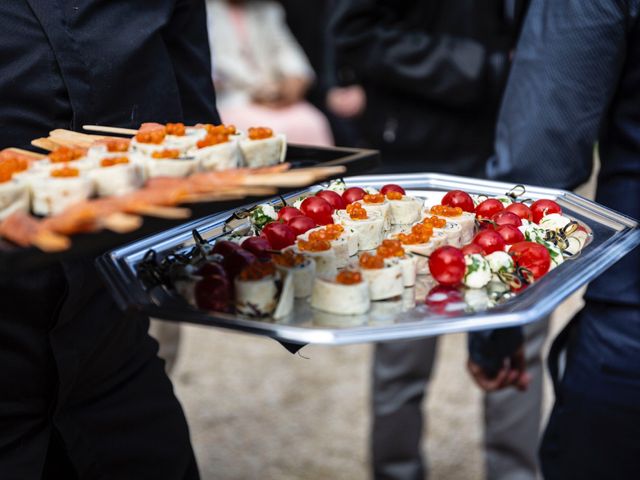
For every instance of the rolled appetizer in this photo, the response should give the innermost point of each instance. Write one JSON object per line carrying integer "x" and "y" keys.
{"x": 170, "y": 163}
{"x": 334, "y": 234}
{"x": 376, "y": 202}
{"x": 301, "y": 268}
{"x": 466, "y": 220}
{"x": 63, "y": 187}
{"x": 393, "y": 253}
{"x": 453, "y": 231}
{"x": 182, "y": 138}
{"x": 422, "y": 240}
{"x": 149, "y": 139}
{"x": 257, "y": 289}
{"x": 344, "y": 294}
{"x": 368, "y": 226}
{"x": 262, "y": 148}
{"x": 319, "y": 251}
{"x": 14, "y": 192}
{"x": 404, "y": 209}
{"x": 478, "y": 271}
{"x": 385, "y": 279}
{"x": 219, "y": 149}
{"x": 108, "y": 148}
{"x": 116, "y": 176}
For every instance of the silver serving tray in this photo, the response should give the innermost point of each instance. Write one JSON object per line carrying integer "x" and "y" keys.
{"x": 613, "y": 236}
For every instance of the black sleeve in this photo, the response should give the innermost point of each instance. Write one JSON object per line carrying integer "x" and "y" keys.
{"x": 373, "y": 43}
{"x": 188, "y": 45}
{"x": 563, "y": 78}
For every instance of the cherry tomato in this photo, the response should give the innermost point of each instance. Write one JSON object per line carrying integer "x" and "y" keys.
{"x": 237, "y": 260}
{"x": 259, "y": 246}
{"x": 490, "y": 241}
{"x": 213, "y": 293}
{"x": 510, "y": 234}
{"x": 447, "y": 266}
{"x": 211, "y": 268}
{"x": 353, "y": 194}
{"x": 392, "y": 187}
{"x": 543, "y": 207}
{"x": 301, "y": 224}
{"x": 441, "y": 299}
{"x": 318, "y": 209}
{"x": 489, "y": 208}
{"x": 521, "y": 210}
{"x": 532, "y": 256}
{"x": 472, "y": 248}
{"x": 506, "y": 218}
{"x": 458, "y": 198}
{"x": 225, "y": 247}
{"x": 279, "y": 235}
{"x": 287, "y": 213}
{"x": 334, "y": 199}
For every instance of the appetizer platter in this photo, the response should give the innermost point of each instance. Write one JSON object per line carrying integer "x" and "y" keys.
{"x": 374, "y": 258}
{"x": 90, "y": 193}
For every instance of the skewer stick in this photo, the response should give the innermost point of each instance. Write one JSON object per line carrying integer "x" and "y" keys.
{"x": 174, "y": 213}
{"x": 45, "y": 144}
{"x": 27, "y": 153}
{"x": 122, "y": 222}
{"x": 49, "y": 242}
{"x": 118, "y": 130}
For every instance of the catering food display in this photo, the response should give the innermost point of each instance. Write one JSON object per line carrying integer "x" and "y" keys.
{"x": 345, "y": 250}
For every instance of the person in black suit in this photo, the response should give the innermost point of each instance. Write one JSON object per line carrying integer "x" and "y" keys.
{"x": 82, "y": 391}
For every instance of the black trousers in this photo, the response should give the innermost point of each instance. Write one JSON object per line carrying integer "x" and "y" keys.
{"x": 82, "y": 391}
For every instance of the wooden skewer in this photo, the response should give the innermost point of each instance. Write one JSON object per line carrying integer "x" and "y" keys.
{"x": 119, "y": 130}
{"x": 45, "y": 144}
{"x": 27, "y": 153}
{"x": 122, "y": 222}
{"x": 51, "y": 242}
{"x": 174, "y": 213}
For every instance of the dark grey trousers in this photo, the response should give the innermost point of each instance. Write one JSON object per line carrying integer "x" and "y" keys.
{"x": 401, "y": 374}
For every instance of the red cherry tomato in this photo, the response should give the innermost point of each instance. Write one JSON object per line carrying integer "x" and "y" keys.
{"x": 225, "y": 247}
{"x": 211, "y": 268}
{"x": 237, "y": 260}
{"x": 213, "y": 293}
{"x": 392, "y": 187}
{"x": 287, "y": 213}
{"x": 318, "y": 209}
{"x": 489, "y": 208}
{"x": 490, "y": 241}
{"x": 259, "y": 246}
{"x": 301, "y": 224}
{"x": 506, "y": 218}
{"x": 472, "y": 248}
{"x": 279, "y": 235}
{"x": 510, "y": 234}
{"x": 521, "y": 210}
{"x": 441, "y": 299}
{"x": 532, "y": 256}
{"x": 543, "y": 207}
{"x": 353, "y": 194}
{"x": 334, "y": 199}
{"x": 458, "y": 198}
{"x": 447, "y": 266}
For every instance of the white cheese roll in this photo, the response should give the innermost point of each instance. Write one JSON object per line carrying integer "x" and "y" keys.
{"x": 51, "y": 195}
{"x": 409, "y": 266}
{"x": 256, "y": 297}
{"x": 386, "y": 282}
{"x": 264, "y": 152}
{"x": 14, "y": 197}
{"x": 337, "y": 298}
{"x": 185, "y": 142}
{"x": 405, "y": 211}
{"x": 118, "y": 179}
{"x": 383, "y": 209}
{"x": 326, "y": 261}
{"x": 146, "y": 149}
{"x": 370, "y": 230}
{"x": 467, "y": 222}
{"x": 170, "y": 167}
{"x": 423, "y": 250}
{"x": 224, "y": 156}
{"x": 302, "y": 275}
{"x": 284, "y": 306}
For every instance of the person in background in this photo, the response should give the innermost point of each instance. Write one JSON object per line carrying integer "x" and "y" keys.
{"x": 575, "y": 82}
{"x": 82, "y": 391}
{"x": 260, "y": 71}
{"x": 433, "y": 73}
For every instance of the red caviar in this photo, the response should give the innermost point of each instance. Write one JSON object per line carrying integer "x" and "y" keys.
{"x": 65, "y": 172}
{"x": 219, "y": 129}
{"x": 314, "y": 245}
{"x": 390, "y": 248}
{"x": 392, "y": 195}
{"x": 289, "y": 259}
{"x": 258, "y": 271}
{"x": 356, "y": 212}
{"x": 446, "y": 211}
{"x": 167, "y": 153}
{"x": 420, "y": 233}
{"x": 260, "y": 133}
{"x": 110, "y": 162}
{"x": 177, "y": 129}
{"x": 66, "y": 154}
{"x": 373, "y": 198}
{"x": 349, "y": 277}
{"x": 434, "y": 222}
{"x": 371, "y": 261}
{"x": 117, "y": 145}
{"x": 154, "y": 135}
{"x": 213, "y": 139}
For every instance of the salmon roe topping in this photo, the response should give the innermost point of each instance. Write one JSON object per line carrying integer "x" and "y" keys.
{"x": 356, "y": 212}
{"x": 373, "y": 198}
{"x": 258, "y": 271}
{"x": 371, "y": 261}
{"x": 110, "y": 162}
{"x": 390, "y": 248}
{"x": 289, "y": 258}
{"x": 434, "y": 222}
{"x": 314, "y": 245}
{"x": 213, "y": 139}
{"x": 220, "y": 129}
{"x": 155, "y": 135}
{"x": 446, "y": 211}
{"x": 334, "y": 228}
{"x": 260, "y": 133}
{"x": 167, "y": 153}
{"x": 66, "y": 154}
{"x": 420, "y": 233}
{"x": 10, "y": 164}
{"x": 65, "y": 172}
{"x": 394, "y": 195}
{"x": 349, "y": 277}
{"x": 117, "y": 145}
{"x": 177, "y": 129}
